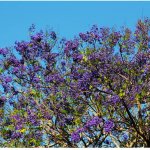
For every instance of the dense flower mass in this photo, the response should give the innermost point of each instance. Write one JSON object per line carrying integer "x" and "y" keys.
{"x": 108, "y": 126}
{"x": 91, "y": 92}
{"x": 93, "y": 122}
{"x": 75, "y": 137}
{"x": 3, "y": 51}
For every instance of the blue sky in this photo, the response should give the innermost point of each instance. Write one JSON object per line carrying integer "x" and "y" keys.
{"x": 66, "y": 18}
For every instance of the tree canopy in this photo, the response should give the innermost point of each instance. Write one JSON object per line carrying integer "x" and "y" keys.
{"x": 91, "y": 91}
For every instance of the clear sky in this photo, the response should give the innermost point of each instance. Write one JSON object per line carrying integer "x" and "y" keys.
{"x": 66, "y": 18}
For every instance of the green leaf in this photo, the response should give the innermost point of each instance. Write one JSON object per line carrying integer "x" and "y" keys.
{"x": 1, "y": 70}
{"x": 78, "y": 121}
{"x": 122, "y": 93}
{"x": 64, "y": 111}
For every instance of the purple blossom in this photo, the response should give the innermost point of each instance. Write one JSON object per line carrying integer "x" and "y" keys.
{"x": 37, "y": 37}
{"x": 13, "y": 60}
{"x": 71, "y": 45}
{"x": 80, "y": 130}
{"x": 36, "y": 79}
{"x": 15, "y": 70}
{"x": 16, "y": 117}
{"x": 75, "y": 137}
{"x": 36, "y": 68}
{"x": 47, "y": 116}
{"x": 49, "y": 78}
{"x": 77, "y": 57}
{"x": 3, "y": 98}
{"x": 115, "y": 99}
{"x": 56, "y": 78}
{"x": 8, "y": 79}
{"x": 32, "y": 118}
{"x": 68, "y": 46}
{"x": 132, "y": 98}
{"x": 18, "y": 126}
{"x": 21, "y": 46}
{"x": 53, "y": 35}
{"x": 108, "y": 126}
{"x": 3, "y": 51}
{"x": 23, "y": 67}
{"x": 91, "y": 36}
{"x": 93, "y": 122}
{"x": 16, "y": 135}
{"x": 75, "y": 44}
{"x": 83, "y": 36}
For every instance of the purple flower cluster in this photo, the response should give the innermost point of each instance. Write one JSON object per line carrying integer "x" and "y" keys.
{"x": 3, "y": 51}
{"x": 32, "y": 118}
{"x": 15, "y": 69}
{"x": 37, "y": 37}
{"x": 115, "y": 99}
{"x": 16, "y": 117}
{"x": 71, "y": 45}
{"x": 8, "y": 79}
{"x": 3, "y": 98}
{"x": 21, "y": 46}
{"x": 56, "y": 78}
{"x": 108, "y": 126}
{"x": 77, "y": 57}
{"x": 115, "y": 38}
{"x": 75, "y": 136}
{"x": 91, "y": 36}
{"x": 18, "y": 122}
{"x": 142, "y": 58}
{"x": 36, "y": 79}
{"x": 53, "y": 35}
{"x": 83, "y": 36}
{"x": 93, "y": 122}
{"x": 16, "y": 135}
{"x": 14, "y": 61}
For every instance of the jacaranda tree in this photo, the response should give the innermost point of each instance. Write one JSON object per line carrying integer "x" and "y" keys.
{"x": 91, "y": 91}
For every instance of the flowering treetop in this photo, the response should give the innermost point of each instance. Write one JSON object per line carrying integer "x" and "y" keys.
{"x": 92, "y": 91}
